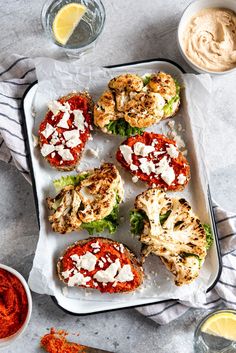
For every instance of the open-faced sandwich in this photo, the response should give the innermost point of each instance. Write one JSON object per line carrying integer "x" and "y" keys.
{"x": 132, "y": 103}
{"x": 156, "y": 160}
{"x": 101, "y": 264}
{"x": 65, "y": 130}
{"x": 167, "y": 227}
{"x": 89, "y": 200}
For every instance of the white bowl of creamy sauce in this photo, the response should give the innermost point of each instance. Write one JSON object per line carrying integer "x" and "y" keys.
{"x": 207, "y": 36}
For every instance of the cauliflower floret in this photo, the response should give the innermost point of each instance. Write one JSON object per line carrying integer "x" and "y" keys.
{"x": 104, "y": 110}
{"x": 163, "y": 84}
{"x": 145, "y": 109}
{"x": 127, "y": 82}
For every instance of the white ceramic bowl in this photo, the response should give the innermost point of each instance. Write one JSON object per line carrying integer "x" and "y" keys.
{"x": 189, "y": 12}
{"x": 8, "y": 340}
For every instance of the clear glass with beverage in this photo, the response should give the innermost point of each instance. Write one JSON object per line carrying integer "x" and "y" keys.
{"x": 85, "y": 33}
{"x": 216, "y": 333}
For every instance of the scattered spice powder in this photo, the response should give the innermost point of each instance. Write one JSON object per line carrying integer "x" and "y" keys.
{"x": 56, "y": 342}
{"x": 13, "y": 304}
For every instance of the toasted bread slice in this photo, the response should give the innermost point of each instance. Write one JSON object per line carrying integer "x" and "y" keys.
{"x": 65, "y": 130}
{"x": 102, "y": 264}
{"x": 156, "y": 160}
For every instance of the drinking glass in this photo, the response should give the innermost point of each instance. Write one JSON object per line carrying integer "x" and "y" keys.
{"x": 206, "y": 343}
{"x": 87, "y": 31}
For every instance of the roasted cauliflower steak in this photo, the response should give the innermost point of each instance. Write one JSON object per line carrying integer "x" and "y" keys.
{"x": 179, "y": 239}
{"x": 93, "y": 199}
{"x": 141, "y": 105}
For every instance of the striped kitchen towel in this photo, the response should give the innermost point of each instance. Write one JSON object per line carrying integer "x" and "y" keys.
{"x": 16, "y": 74}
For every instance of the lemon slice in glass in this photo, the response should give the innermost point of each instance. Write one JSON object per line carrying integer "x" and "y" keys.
{"x": 221, "y": 324}
{"x": 66, "y": 20}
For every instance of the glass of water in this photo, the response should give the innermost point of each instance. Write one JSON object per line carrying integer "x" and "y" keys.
{"x": 212, "y": 343}
{"x": 85, "y": 34}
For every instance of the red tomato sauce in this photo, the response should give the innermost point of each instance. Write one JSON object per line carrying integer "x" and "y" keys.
{"x": 56, "y": 342}
{"x": 76, "y": 102}
{"x": 179, "y": 164}
{"x": 106, "y": 249}
{"x": 13, "y": 304}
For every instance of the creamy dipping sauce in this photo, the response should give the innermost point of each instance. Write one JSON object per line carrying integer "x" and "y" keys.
{"x": 209, "y": 39}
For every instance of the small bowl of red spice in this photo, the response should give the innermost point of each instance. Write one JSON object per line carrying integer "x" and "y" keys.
{"x": 15, "y": 305}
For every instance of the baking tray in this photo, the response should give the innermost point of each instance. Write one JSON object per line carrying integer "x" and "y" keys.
{"x": 73, "y": 305}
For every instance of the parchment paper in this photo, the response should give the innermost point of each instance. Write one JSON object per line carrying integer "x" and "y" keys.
{"x": 57, "y": 79}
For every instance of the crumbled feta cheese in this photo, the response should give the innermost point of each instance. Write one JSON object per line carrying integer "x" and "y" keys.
{"x": 55, "y": 107}
{"x": 49, "y": 129}
{"x": 125, "y": 274}
{"x": 64, "y": 120}
{"x": 154, "y": 142}
{"x": 87, "y": 261}
{"x": 147, "y": 167}
{"x": 156, "y": 154}
{"x": 108, "y": 275}
{"x": 166, "y": 171}
{"x": 73, "y": 142}
{"x": 122, "y": 248}
{"x": 133, "y": 167}
{"x": 180, "y": 142}
{"x": 181, "y": 178}
{"x": 78, "y": 279}
{"x": 135, "y": 179}
{"x": 53, "y": 154}
{"x": 142, "y": 149}
{"x": 180, "y": 128}
{"x": 126, "y": 152}
{"x": 100, "y": 264}
{"x": 172, "y": 151}
{"x": 95, "y": 245}
{"x": 54, "y": 138}
{"x": 65, "y": 107}
{"x": 47, "y": 149}
{"x": 79, "y": 119}
{"x": 59, "y": 148}
{"x": 171, "y": 124}
{"x": 66, "y": 155}
{"x": 66, "y": 274}
{"x": 72, "y": 138}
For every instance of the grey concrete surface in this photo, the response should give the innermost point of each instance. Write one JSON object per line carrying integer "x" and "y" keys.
{"x": 134, "y": 30}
